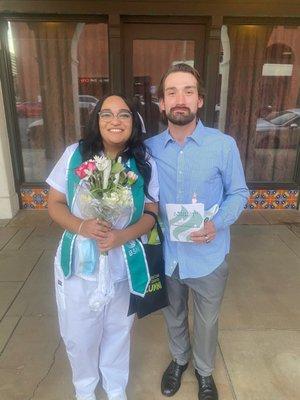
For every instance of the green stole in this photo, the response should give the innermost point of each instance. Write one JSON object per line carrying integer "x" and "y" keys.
{"x": 133, "y": 251}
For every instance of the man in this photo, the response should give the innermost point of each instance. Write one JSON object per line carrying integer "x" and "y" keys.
{"x": 195, "y": 162}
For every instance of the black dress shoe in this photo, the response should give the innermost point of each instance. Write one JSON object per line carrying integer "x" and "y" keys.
{"x": 171, "y": 379}
{"x": 207, "y": 387}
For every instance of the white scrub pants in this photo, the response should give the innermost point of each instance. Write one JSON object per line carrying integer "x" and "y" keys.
{"x": 97, "y": 342}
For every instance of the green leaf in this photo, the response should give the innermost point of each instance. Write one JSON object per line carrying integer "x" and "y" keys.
{"x": 117, "y": 168}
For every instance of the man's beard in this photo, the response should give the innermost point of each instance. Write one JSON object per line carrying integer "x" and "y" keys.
{"x": 180, "y": 119}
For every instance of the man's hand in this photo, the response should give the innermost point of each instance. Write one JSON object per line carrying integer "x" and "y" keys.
{"x": 205, "y": 235}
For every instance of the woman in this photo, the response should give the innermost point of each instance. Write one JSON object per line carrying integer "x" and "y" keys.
{"x": 98, "y": 342}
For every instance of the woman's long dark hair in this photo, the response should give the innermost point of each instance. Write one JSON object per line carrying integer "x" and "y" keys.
{"x": 92, "y": 144}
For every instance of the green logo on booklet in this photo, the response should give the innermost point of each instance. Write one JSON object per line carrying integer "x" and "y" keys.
{"x": 191, "y": 220}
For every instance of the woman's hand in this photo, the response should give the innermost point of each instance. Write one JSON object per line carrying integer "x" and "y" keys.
{"x": 93, "y": 228}
{"x": 60, "y": 213}
{"x": 111, "y": 239}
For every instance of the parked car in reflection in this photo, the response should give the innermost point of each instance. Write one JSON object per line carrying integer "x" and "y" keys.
{"x": 35, "y": 131}
{"x": 87, "y": 101}
{"x": 279, "y": 130}
{"x": 29, "y": 109}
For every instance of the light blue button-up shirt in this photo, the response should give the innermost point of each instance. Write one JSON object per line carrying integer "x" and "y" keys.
{"x": 209, "y": 165}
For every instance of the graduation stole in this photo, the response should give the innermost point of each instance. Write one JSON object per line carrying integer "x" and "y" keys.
{"x": 133, "y": 251}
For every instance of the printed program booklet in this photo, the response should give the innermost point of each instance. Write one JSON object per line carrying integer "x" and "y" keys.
{"x": 184, "y": 219}
{"x": 187, "y": 218}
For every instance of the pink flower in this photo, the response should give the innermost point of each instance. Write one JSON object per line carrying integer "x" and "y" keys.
{"x": 80, "y": 171}
{"x": 90, "y": 165}
{"x": 132, "y": 177}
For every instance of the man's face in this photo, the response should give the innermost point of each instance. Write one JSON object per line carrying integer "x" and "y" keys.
{"x": 181, "y": 99}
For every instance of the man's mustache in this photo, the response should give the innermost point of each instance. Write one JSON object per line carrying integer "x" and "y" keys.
{"x": 179, "y": 109}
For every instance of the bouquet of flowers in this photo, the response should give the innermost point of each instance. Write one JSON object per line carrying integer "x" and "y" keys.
{"x": 104, "y": 192}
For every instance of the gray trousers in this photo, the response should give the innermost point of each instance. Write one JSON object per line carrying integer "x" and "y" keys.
{"x": 207, "y": 294}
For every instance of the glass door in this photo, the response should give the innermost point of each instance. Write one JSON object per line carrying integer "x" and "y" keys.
{"x": 149, "y": 50}
{"x": 260, "y": 99}
{"x": 58, "y": 76}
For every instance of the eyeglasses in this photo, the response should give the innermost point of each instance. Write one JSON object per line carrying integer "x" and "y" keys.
{"x": 108, "y": 116}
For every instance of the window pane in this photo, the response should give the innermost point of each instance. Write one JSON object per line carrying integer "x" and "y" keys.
{"x": 260, "y": 98}
{"x": 60, "y": 70}
{"x": 151, "y": 58}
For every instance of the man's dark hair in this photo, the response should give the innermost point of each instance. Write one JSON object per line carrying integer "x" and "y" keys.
{"x": 181, "y": 67}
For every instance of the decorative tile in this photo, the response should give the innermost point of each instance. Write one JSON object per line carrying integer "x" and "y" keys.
{"x": 273, "y": 199}
{"x": 262, "y": 199}
{"x": 34, "y": 198}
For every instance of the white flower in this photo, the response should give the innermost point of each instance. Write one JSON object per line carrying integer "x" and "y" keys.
{"x": 102, "y": 163}
{"x": 116, "y": 180}
{"x": 106, "y": 174}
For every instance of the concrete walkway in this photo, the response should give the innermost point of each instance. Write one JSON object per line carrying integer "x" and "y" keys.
{"x": 259, "y": 343}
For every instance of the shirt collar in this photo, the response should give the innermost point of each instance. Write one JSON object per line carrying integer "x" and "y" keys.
{"x": 167, "y": 138}
{"x": 196, "y": 136}
{"x": 198, "y": 133}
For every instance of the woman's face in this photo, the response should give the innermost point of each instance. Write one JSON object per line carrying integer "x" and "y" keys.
{"x": 115, "y": 123}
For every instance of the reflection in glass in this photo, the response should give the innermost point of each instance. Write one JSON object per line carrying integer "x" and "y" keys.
{"x": 58, "y": 78}
{"x": 278, "y": 130}
{"x": 151, "y": 58}
{"x": 260, "y": 98}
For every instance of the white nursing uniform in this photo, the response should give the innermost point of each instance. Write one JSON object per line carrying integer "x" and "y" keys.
{"x": 97, "y": 342}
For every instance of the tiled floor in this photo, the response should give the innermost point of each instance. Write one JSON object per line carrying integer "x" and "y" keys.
{"x": 258, "y": 355}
